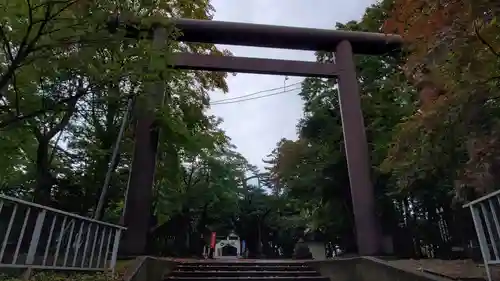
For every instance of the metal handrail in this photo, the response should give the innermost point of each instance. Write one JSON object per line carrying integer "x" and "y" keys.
{"x": 59, "y": 235}
{"x": 480, "y": 199}
{"x": 13, "y": 199}
{"x": 485, "y": 215}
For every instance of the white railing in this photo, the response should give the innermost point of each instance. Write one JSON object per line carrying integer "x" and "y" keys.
{"x": 39, "y": 237}
{"x": 485, "y": 215}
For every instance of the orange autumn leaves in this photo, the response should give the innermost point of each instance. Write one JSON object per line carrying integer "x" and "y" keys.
{"x": 422, "y": 20}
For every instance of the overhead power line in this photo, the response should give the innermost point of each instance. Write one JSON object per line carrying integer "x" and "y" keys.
{"x": 258, "y": 97}
{"x": 256, "y": 93}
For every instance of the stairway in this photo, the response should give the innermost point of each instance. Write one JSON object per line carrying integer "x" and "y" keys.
{"x": 244, "y": 270}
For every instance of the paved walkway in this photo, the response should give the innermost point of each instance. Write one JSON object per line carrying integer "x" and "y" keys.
{"x": 454, "y": 269}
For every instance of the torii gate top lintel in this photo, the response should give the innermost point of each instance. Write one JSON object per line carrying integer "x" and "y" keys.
{"x": 283, "y": 37}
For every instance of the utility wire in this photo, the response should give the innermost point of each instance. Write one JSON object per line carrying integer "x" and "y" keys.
{"x": 256, "y": 93}
{"x": 254, "y": 98}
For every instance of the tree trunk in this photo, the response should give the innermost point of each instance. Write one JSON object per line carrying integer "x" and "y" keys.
{"x": 44, "y": 178}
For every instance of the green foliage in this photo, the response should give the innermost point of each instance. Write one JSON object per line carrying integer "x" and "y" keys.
{"x": 64, "y": 94}
{"x": 311, "y": 174}
{"x": 312, "y": 170}
{"x": 65, "y": 81}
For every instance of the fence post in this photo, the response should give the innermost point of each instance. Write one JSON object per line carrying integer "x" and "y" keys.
{"x": 483, "y": 243}
{"x": 114, "y": 254}
{"x": 35, "y": 238}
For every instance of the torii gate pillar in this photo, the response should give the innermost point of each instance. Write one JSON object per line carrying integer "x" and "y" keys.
{"x": 368, "y": 234}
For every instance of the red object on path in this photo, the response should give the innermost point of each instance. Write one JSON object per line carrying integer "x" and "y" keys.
{"x": 212, "y": 241}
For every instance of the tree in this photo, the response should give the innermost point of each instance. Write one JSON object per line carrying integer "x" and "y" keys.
{"x": 427, "y": 130}
{"x": 42, "y": 77}
{"x": 200, "y": 197}
{"x": 455, "y": 129}
{"x": 313, "y": 171}
{"x": 64, "y": 93}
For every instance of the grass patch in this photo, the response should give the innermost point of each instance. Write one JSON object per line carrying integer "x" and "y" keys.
{"x": 50, "y": 276}
{"x": 120, "y": 269}
{"x": 121, "y": 266}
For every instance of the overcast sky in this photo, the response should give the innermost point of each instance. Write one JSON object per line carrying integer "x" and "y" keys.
{"x": 256, "y": 126}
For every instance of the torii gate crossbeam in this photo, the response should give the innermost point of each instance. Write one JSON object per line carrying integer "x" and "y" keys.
{"x": 344, "y": 43}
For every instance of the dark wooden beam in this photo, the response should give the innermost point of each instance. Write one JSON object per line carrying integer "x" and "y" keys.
{"x": 252, "y": 65}
{"x": 272, "y": 36}
{"x": 284, "y": 37}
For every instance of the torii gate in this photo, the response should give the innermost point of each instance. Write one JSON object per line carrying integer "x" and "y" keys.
{"x": 343, "y": 43}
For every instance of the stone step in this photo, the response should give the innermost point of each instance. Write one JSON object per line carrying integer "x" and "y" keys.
{"x": 246, "y": 273}
{"x": 242, "y": 263}
{"x": 249, "y": 278}
{"x": 241, "y": 267}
